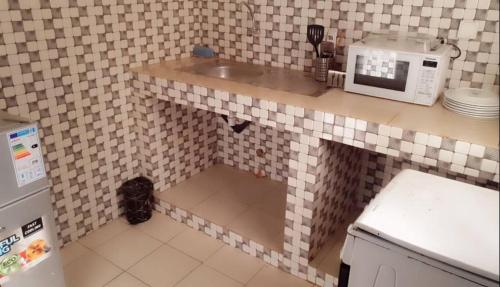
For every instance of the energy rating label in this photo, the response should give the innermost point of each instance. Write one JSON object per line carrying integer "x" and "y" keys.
{"x": 20, "y": 151}
{"x": 26, "y": 155}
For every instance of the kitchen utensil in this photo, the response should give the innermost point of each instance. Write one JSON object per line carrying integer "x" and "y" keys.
{"x": 315, "y": 34}
{"x": 327, "y": 49}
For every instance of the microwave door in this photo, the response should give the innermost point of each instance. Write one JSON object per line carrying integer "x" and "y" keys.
{"x": 384, "y": 74}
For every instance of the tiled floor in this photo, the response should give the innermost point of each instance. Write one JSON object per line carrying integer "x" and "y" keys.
{"x": 328, "y": 258}
{"x": 252, "y": 207}
{"x": 164, "y": 253}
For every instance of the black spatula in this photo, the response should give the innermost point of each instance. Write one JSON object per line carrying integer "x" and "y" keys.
{"x": 315, "y": 34}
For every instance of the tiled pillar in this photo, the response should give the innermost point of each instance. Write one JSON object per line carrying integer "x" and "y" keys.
{"x": 323, "y": 179}
{"x": 304, "y": 152}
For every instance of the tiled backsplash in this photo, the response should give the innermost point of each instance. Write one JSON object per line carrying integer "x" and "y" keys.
{"x": 240, "y": 150}
{"x": 281, "y": 37}
{"x": 378, "y": 169}
{"x": 65, "y": 64}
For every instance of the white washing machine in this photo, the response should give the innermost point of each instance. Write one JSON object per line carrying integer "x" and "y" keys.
{"x": 424, "y": 231}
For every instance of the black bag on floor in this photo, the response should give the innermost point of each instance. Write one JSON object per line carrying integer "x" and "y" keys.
{"x": 138, "y": 199}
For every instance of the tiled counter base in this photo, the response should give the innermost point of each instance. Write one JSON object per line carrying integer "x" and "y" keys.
{"x": 468, "y": 158}
{"x": 176, "y": 135}
{"x": 180, "y": 142}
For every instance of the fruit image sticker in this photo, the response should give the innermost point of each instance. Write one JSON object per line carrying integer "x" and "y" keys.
{"x": 36, "y": 249}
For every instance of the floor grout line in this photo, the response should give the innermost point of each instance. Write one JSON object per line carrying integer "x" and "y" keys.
{"x": 260, "y": 269}
{"x": 139, "y": 279}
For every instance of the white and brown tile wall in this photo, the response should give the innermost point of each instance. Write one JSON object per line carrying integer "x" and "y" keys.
{"x": 175, "y": 142}
{"x": 241, "y": 150}
{"x": 378, "y": 170}
{"x": 281, "y": 36}
{"x": 339, "y": 170}
{"x": 65, "y": 64}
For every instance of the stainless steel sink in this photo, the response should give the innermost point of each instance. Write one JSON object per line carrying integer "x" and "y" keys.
{"x": 231, "y": 71}
{"x": 257, "y": 75}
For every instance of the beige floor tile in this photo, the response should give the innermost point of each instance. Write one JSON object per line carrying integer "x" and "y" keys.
{"x": 220, "y": 208}
{"x": 104, "y": 233}
{"x": 187, "y": 194}
{"x": 164, "y": 267}
{"x": 90, "y": 270}
{"x": 128, "y": 248}
{"x": 244, "y": 186}
{"x": 235, "y": 264}
{"x": 196, "y": 244}
{"x": 273, "y": 277}
{"x": 323, "y": 252}
{"x": 72, "y": 251}
{"x": 328, "y": 257}
{"x": 126, "y": 280}
{"x": 161, "y": 227}
{"x": 273, "y": 202}
{"x": 260, "y": 227}
{"x": 207, "y": 277}
{"x": 331, "y": 263}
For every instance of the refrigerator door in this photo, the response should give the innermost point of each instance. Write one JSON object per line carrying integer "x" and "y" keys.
{"x": 29, "y": 255}
{"x": 22, "y": 169}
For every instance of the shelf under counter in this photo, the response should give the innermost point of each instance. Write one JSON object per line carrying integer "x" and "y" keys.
{"x": 236, "y": 200}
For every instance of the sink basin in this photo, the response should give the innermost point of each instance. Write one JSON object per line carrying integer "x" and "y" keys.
{"x": 225, "y": 71}
{"x": 260, "y": 76}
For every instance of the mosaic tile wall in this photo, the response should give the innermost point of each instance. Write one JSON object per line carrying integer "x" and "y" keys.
{"x": 339, "y": 168}
{"x": 65, "y": 64}
{"x": 280, "y": 37}
{"x": 174, "y": 142}
{"x": 240, "y": 150}
{"x": 378, "y": 170}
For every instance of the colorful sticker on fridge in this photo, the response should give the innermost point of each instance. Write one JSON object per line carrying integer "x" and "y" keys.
{"x": 23, "y": 248}
{"x": 26, "y": 155}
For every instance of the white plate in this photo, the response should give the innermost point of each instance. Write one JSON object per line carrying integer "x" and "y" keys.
{"x": 492, "y": 108}
{"x": 468, "y": 109}
{"x": 472, "y": 114}
{"x": 473, "y": 96}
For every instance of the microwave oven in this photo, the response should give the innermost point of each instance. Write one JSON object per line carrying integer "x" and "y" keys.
{"x": 401, "y": 68}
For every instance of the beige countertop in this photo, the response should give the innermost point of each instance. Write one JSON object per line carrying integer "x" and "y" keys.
{"x": 435, "y": 120}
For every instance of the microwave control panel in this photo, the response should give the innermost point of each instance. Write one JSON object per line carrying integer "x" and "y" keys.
{"x": 426, "y": 80}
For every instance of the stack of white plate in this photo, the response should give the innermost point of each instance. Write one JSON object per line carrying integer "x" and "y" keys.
{"x": 472, "y": 102}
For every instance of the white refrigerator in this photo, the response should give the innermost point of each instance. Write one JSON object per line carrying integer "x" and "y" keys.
{"x": 29, "y": 254}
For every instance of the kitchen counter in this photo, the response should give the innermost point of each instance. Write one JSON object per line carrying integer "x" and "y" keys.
{"x": 434, "y": 120}
{"x": 431, "y": 135}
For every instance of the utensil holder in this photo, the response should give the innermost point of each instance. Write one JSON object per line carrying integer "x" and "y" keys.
{"x": 321, "y": 66}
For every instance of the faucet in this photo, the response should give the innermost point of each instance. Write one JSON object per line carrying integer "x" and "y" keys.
{"x": 252, "y": 15}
